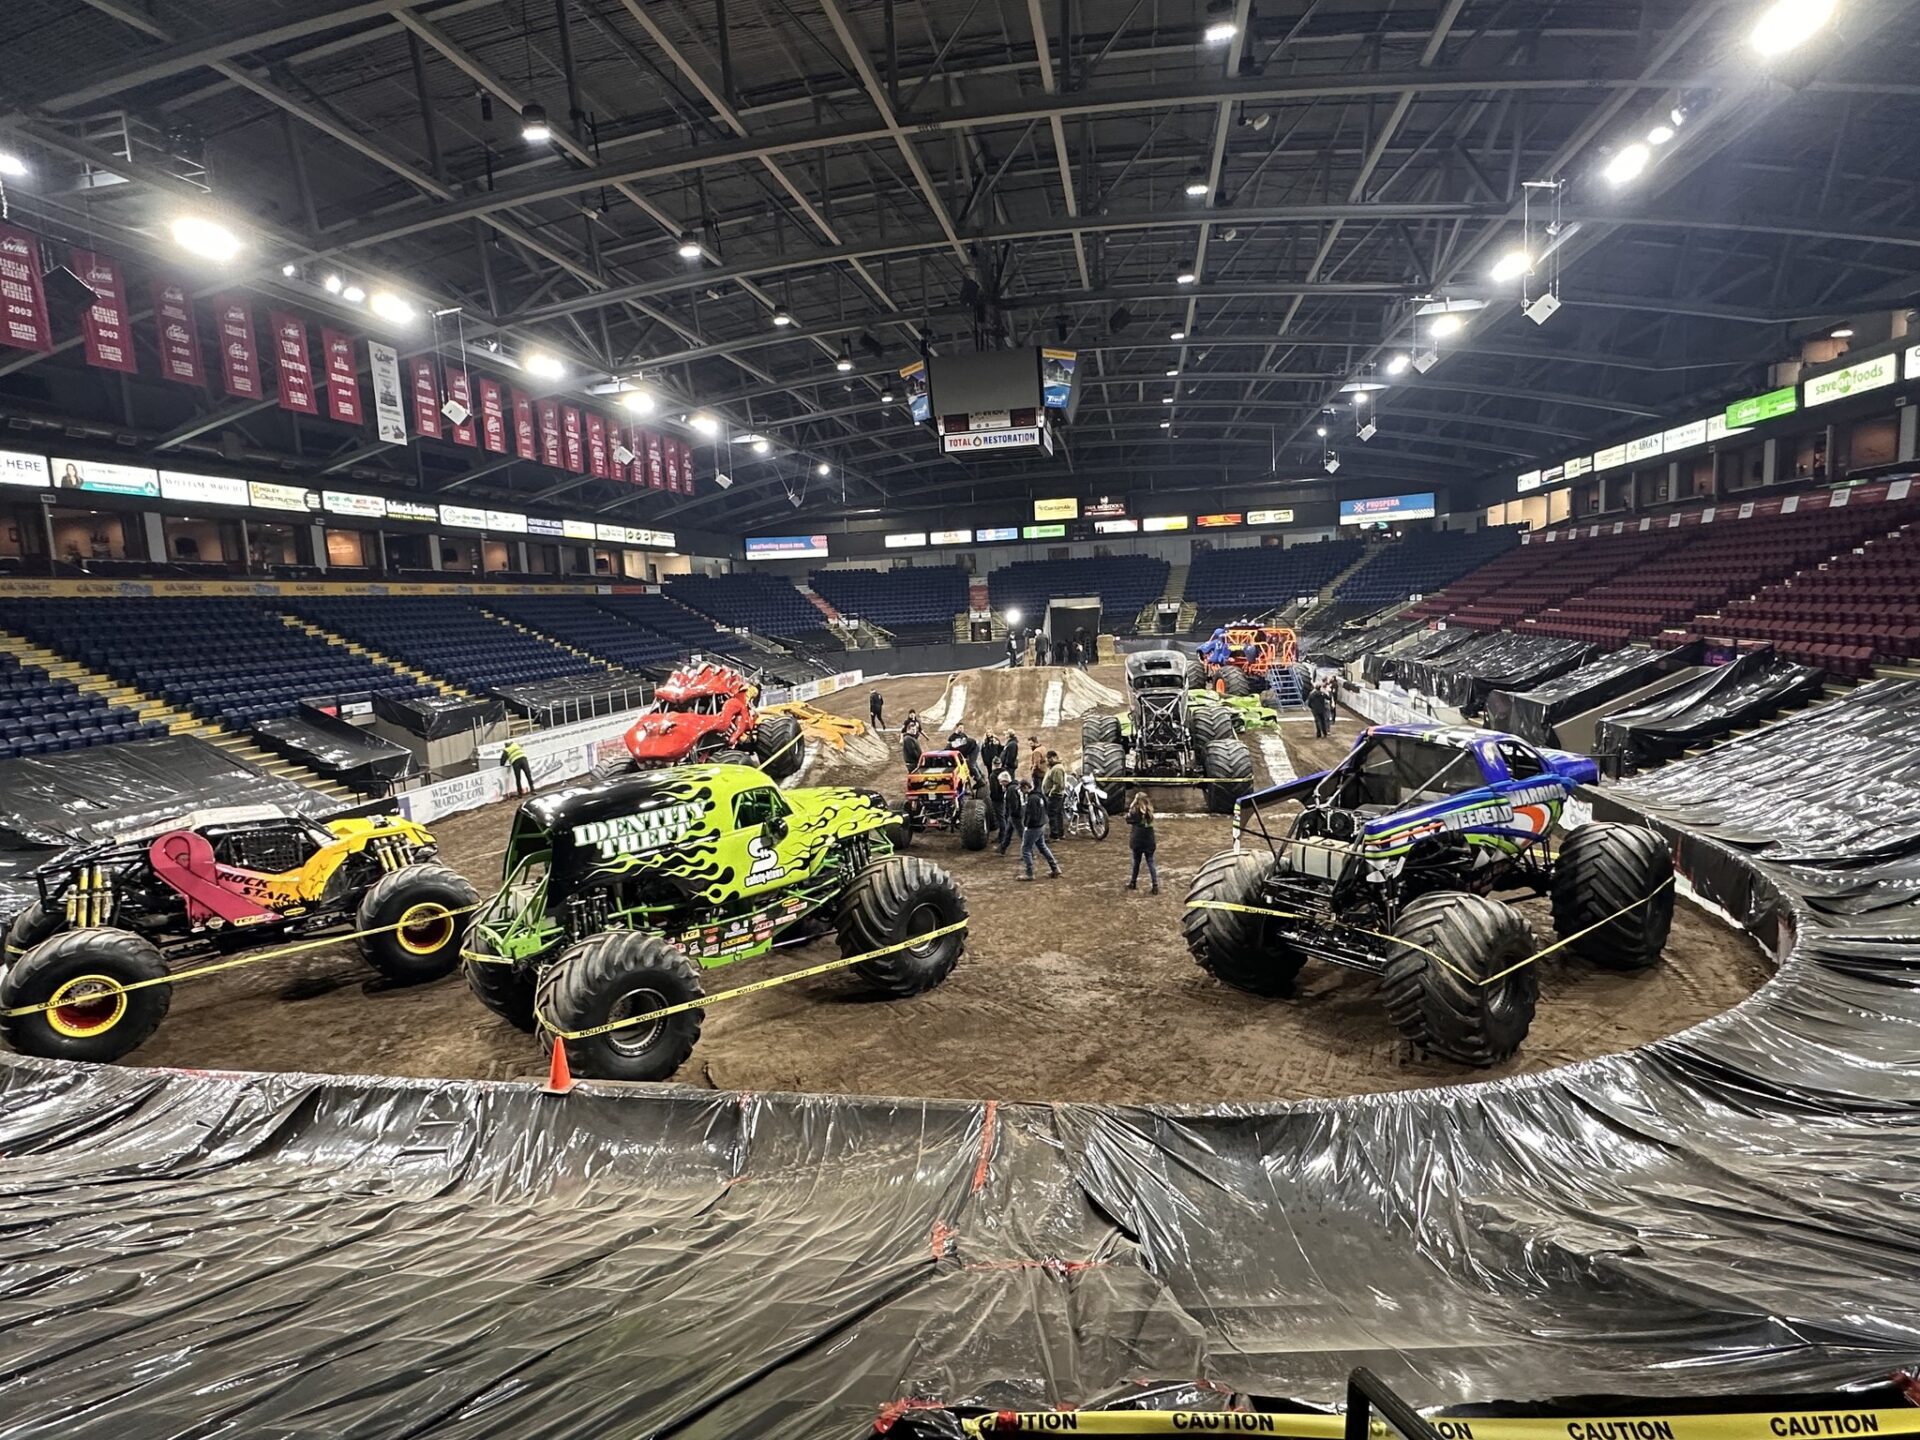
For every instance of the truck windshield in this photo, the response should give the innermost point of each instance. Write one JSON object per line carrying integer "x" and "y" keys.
{"x": 1395, "y": 770}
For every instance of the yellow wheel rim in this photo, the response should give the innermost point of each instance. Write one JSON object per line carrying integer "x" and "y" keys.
{"x": 87, "y": 1005}
{"x": 425, "y": 928}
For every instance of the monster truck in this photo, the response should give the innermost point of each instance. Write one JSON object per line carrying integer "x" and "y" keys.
{"x": 120, "y": 912}
{"x": 1390, "y": 865}
{"x": 1164, "y": 736}
{"x": 707, "y": 714}
{"x": 618, "y": 896}
{"x": 941, "y": 796}
{"x": 1242, "y": 658}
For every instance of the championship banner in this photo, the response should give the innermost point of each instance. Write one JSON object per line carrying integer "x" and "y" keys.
{"x": 625, "y": 438}
{"x": 598, "y": 461}
{"x": 656, "y": 463}
{"x": 525, "y": 441}
{"x": 686, "y": 467}
{"x": 460, "y": 388}
{"x": 573, "y": 439}
{"x": 390, "y": 416}
{"x": 424, "y": 387}
{"x": 343, "y": 381}
{"x": 176, "y": 334}
{"x": 239, "y": 360}
{"x": 24, "y": 322}
{"x": 109, "y": 335}
{"x": 493, "y": 417}
{"x": 670, "y": 453}
{"x": 296, "y": 366}
{"x": 550, "y": 433}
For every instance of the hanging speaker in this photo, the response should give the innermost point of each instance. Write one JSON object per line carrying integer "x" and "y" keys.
{"x": 456, "y": 413}
{"x": 66, "y": 291}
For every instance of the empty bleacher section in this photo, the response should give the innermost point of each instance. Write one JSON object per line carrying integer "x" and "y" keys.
{"x": 445, "y": 637}
{"x": 694, "y": 634}
{"x": 1126, "y": 585}
{"x": 231, "y": 661}
{"x": 765, "y": 604}
{"x": 914, "y": 603}
{"x": 39, "y": 714}
{"x": 580, "y": 622}
{"x": 1422, "y": 563}
{"x": 1242, "y": 583}
{"x": 1860, "y": 608}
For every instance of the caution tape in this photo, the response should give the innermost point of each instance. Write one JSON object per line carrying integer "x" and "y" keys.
{"x": 1757, "y": 1425}
{"x": 771, "y": 983}
{"x": 1234, "y": 908}
{"x": 112, "y": 988}
{"x": 1170, "y": 780}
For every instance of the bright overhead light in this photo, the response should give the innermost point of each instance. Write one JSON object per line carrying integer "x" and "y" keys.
{"x": 1166, "y": 424}
{"x": 1321, "y": 431}
{"x": 845, "y": 362}
{"x": 746, "y": 437}
{"x": 689, "y": 248}
{"x": 353, "y": 294}
{"x": 886, "y": 397}
{"x": 1445, "y": 325}
{"x": 547, "y": 367}
{"x": 1177, "y": 335}
{"x": 331, "y": 284}
{"x": 1220, "y": 24}
{"x": 1660, "y": 134}
{"x": 1185, "y": 277}
{"x": 1166, "y": 399}
{"x": 11, "y": 165}
{"x": 1845, "y": 332}
{"x": 639, "y": 400}
{"x": 208, "y": 239}
{"x": 783, "y": 317}
{"x": 760, "y": 447}
{"x": 1627, "y": 164}
{"x": 1359, "y": 399}
{"x": 1511, "y": 266}
{"x": 533, "y": 124}
{"x": 1398, "y": 365}
{"x": 1196, "y": 182}
{"x": 289, "y": 270}
{"x": 391, "y": 307}
{"x": 1173, "y": 370}
{"x": 823, "y": 470}
{"x": 1788, "y": 23}
{"x": 704, "y": 423}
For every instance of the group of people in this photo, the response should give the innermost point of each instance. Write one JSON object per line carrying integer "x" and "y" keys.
{"x": 1080, "y": 650}
{"x": 1323, "y": 701}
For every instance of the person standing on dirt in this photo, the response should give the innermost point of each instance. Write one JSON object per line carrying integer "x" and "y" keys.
{"x": 1011, "y": 816}
{"x": 1317, "y": 703}
{"x": 876, "y": 705}
{"x": 514, "y": 756}
{"x": 1010, "y": 754}
{"x": 910, "y": 738}
{"x": 1142, "y": 839}
{"x": 1034, "y": 817}
{"x": 1054, "y": 789}
{"x": 1079, "y": 656}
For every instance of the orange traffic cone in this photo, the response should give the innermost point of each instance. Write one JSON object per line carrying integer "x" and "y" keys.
{"x": 559, "y": 1076}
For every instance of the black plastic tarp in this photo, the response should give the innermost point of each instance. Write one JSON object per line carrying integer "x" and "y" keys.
{"x": 338, "y": 749}
{"x": 433, "y": 717}
{"x": 1378, "y": 665}
{"x": 569, "y": 696}
{"x": 1532, "y": 713}
{"x": 1754, "y": 687}
{"x": 1505, "y": 660}
{"x": 1344, "y": 646}
{"x": 1423, "y": 673}
{"x": 1727, "y": 1210}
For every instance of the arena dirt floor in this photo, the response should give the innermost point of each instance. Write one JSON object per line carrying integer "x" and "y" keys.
{"x": 1071, "y": 989}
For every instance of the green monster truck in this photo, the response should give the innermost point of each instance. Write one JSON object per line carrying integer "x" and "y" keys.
{"x": 618, "y": 895}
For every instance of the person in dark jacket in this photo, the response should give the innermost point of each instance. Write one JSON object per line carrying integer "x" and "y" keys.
{"x": 1143, "y": 841}
{"x": 1011, "y": 810}
{"x": 1319, "y": 704}
{"x": 910, "y": 738}
{"x": 1010, "y": 755}
{"x": 968, "y": 748}
{"x": 1034, "y": 818}
{"x": 876, "y": 705}
{"x": 990, "y": 751}
{"x": 1053, "y": 787}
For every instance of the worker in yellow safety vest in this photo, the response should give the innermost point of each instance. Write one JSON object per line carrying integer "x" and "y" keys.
{"x": 514, "y": 755}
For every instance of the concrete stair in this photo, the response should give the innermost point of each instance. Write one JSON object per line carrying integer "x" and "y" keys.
{"x": 1324, "y": 596}
{"x": 178, "y": 722}
{"x": 819, "y": 602}
{"x": 1176, "y": 586}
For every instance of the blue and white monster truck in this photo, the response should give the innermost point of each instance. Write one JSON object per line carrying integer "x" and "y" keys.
{"x": 1389, "y": 867}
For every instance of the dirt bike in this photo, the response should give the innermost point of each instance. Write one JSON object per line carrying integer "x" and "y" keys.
{"x": 1086, "y": 807}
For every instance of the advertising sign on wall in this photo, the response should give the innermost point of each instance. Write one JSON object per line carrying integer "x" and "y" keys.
{"x": 1387, "y": 507}
{"x": 1770, "y": 406}
{"x": 1116, "y": 527}
{"x": 101, "y": 476}
{"x": 909, "y": 541}
{"x": 413, "y": 510}
{"x": 996, "y": 535}
{"x": 950, "y": 537}
{"x": 1160, "y": 524}
{"x": 1043, "y": 532}
{"x": 463, "y": 517}
{"x": 202, "y": 489}
{"x": 786, "y": 547}
{"x": 20, "y": 469}
{"x": 1217, "y": 522}
{"x": 343, "y": 502}
{"x": 1270, "y": 517}
{"x": 1858, "y": 379}
{"x": 265, "y": 495}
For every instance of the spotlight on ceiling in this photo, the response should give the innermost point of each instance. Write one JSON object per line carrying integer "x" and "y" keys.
{"x": 1627, "y": 164}
{"x": 547, "y": 367}
{"x": 639, "y": 400}
{"x": 353, "y": 294}
{"x": 289, "y": 270}
{"x": 208, "y": 239}
{"x": 688, "y": 248}
{"x": 783, "y": 317}
{"x": 394, "y": 309}
{"x": 1196, "y": 182}
{"x": 332, "y": 284}
{"x": 1177, "y": 335}
{"x": 1185, "y": 277}
{"x": 533, "y": 124}
{"x": 1173, "y": 370}
{"x": 1446, "y": 325}
{"x": 1220, "y": 25}
{"x": 886, "y": 397}
{"x": 1660, "y": 134}
{"x": 1786, "y": 24}
{"x": 746, "y": 437}
{"x": 1398, "y": 365}
{"x": 1166, "y": 424}
{"x": 823, "y": 470}
{"x": 704, "y": 423}
{"x": 760, "y": 447}
{"x": 845, "y": 362}
{"x": 1166, "y": 399}
{"x": 11, "y": 165}
{"x": 1321, "y": 431}
{"x": 1511, "y": 266}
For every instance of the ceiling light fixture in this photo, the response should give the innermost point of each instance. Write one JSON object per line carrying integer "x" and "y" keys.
{"x": 746, "y": 437}
{"x": 11, "y": 165}
{"x": 1177, "y": 335}
{"x": 760, "y": 447}
{"x": 1220, "y": 23}
{"x": 845, "y": 362}
{"x": 1786, "y": 24}
{"x": 391, "y": 307}
{"x": 1166, "y": 424}
{"x": 704, "y": 423}
{"x": 1660, "y": 134}
{"x": 1511, "y": 266}
{"x": 1321, "y": 431}
{"x": 639, "y": 400}
{"x": 886, "y": 397}
{"x": 289, "y": 270}
{"x": 353, "y": 294}
{"x": 1173, "y": 370}
{"x": 1185, "y": 277}
{"x": 208, "y": 239}
{"x": 1446, "y": 325}
{"x": 1627, "y": 164}
{"x": 688, "y": 248}
{"x": 783, "y": 317}
{"x": 1398, "y": 365}
{"x": 547, "y": 367}
{"x": 823, "y": 470}
{"x": 533, "y": 124}
{"x": 1196, "y": 182}
{"x": 1166, "y": 399}
{"x": 331, "y": 284}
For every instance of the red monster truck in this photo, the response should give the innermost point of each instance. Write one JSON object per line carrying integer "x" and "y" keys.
{"x": 706, "y": 716}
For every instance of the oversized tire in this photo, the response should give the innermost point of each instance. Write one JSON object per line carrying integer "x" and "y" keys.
{"x": 731, "y": 757}
{"x": 1238, "y": 682}
{"x": 612, "y": 976}
{"x": 776, "y": 740}
{"x": 506, "y": 990}
{"x": 973, "y": 825}
{"x": 1197, "y": 677}
{"x": 1228, "y": 765}
{"x": 900, "y": 833}
{"x": 1099, "y": 730}
{"x": 1245, "y": 951}
{"x": 893, "y": 900}
{"x": 614, "y": 767}
{"x": 1109, "y": 764}
{"x": 1444, "y": 1008}
{"x": 39, "y": 921}
{"x": 1210, "y": 722}
{"x": 911, "y": 750}
{"x": 1603, "y": 870}
{"x": 77, "y": 970}
{"x": 421, "y": 913}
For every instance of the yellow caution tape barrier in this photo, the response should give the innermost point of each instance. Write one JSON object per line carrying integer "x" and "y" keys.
{"x": 1758, "y": 1425}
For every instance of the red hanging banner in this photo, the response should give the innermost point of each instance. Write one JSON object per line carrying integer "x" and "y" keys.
{"x": 656, "y": 463}
{"x": 686, "y": 467}
{"x": 239, "y": 360}
{"x": 176, "y": 332}
{"x": 425, "y": 388}
{"x": 493, "y": 417}
{"x": 460, "y": 388}
{"x": 671, "y": 453}
{"x": 598, "y": 461}
{"x": 573, "y": 439}
{"x": 109, "y": 335}
{"x": 296, "y": 366}
{"x": 23, "y": 301}
{"x": 343, "y": 378}
{"x": 550, "y": 433}
{"x": 526, "y": 442}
